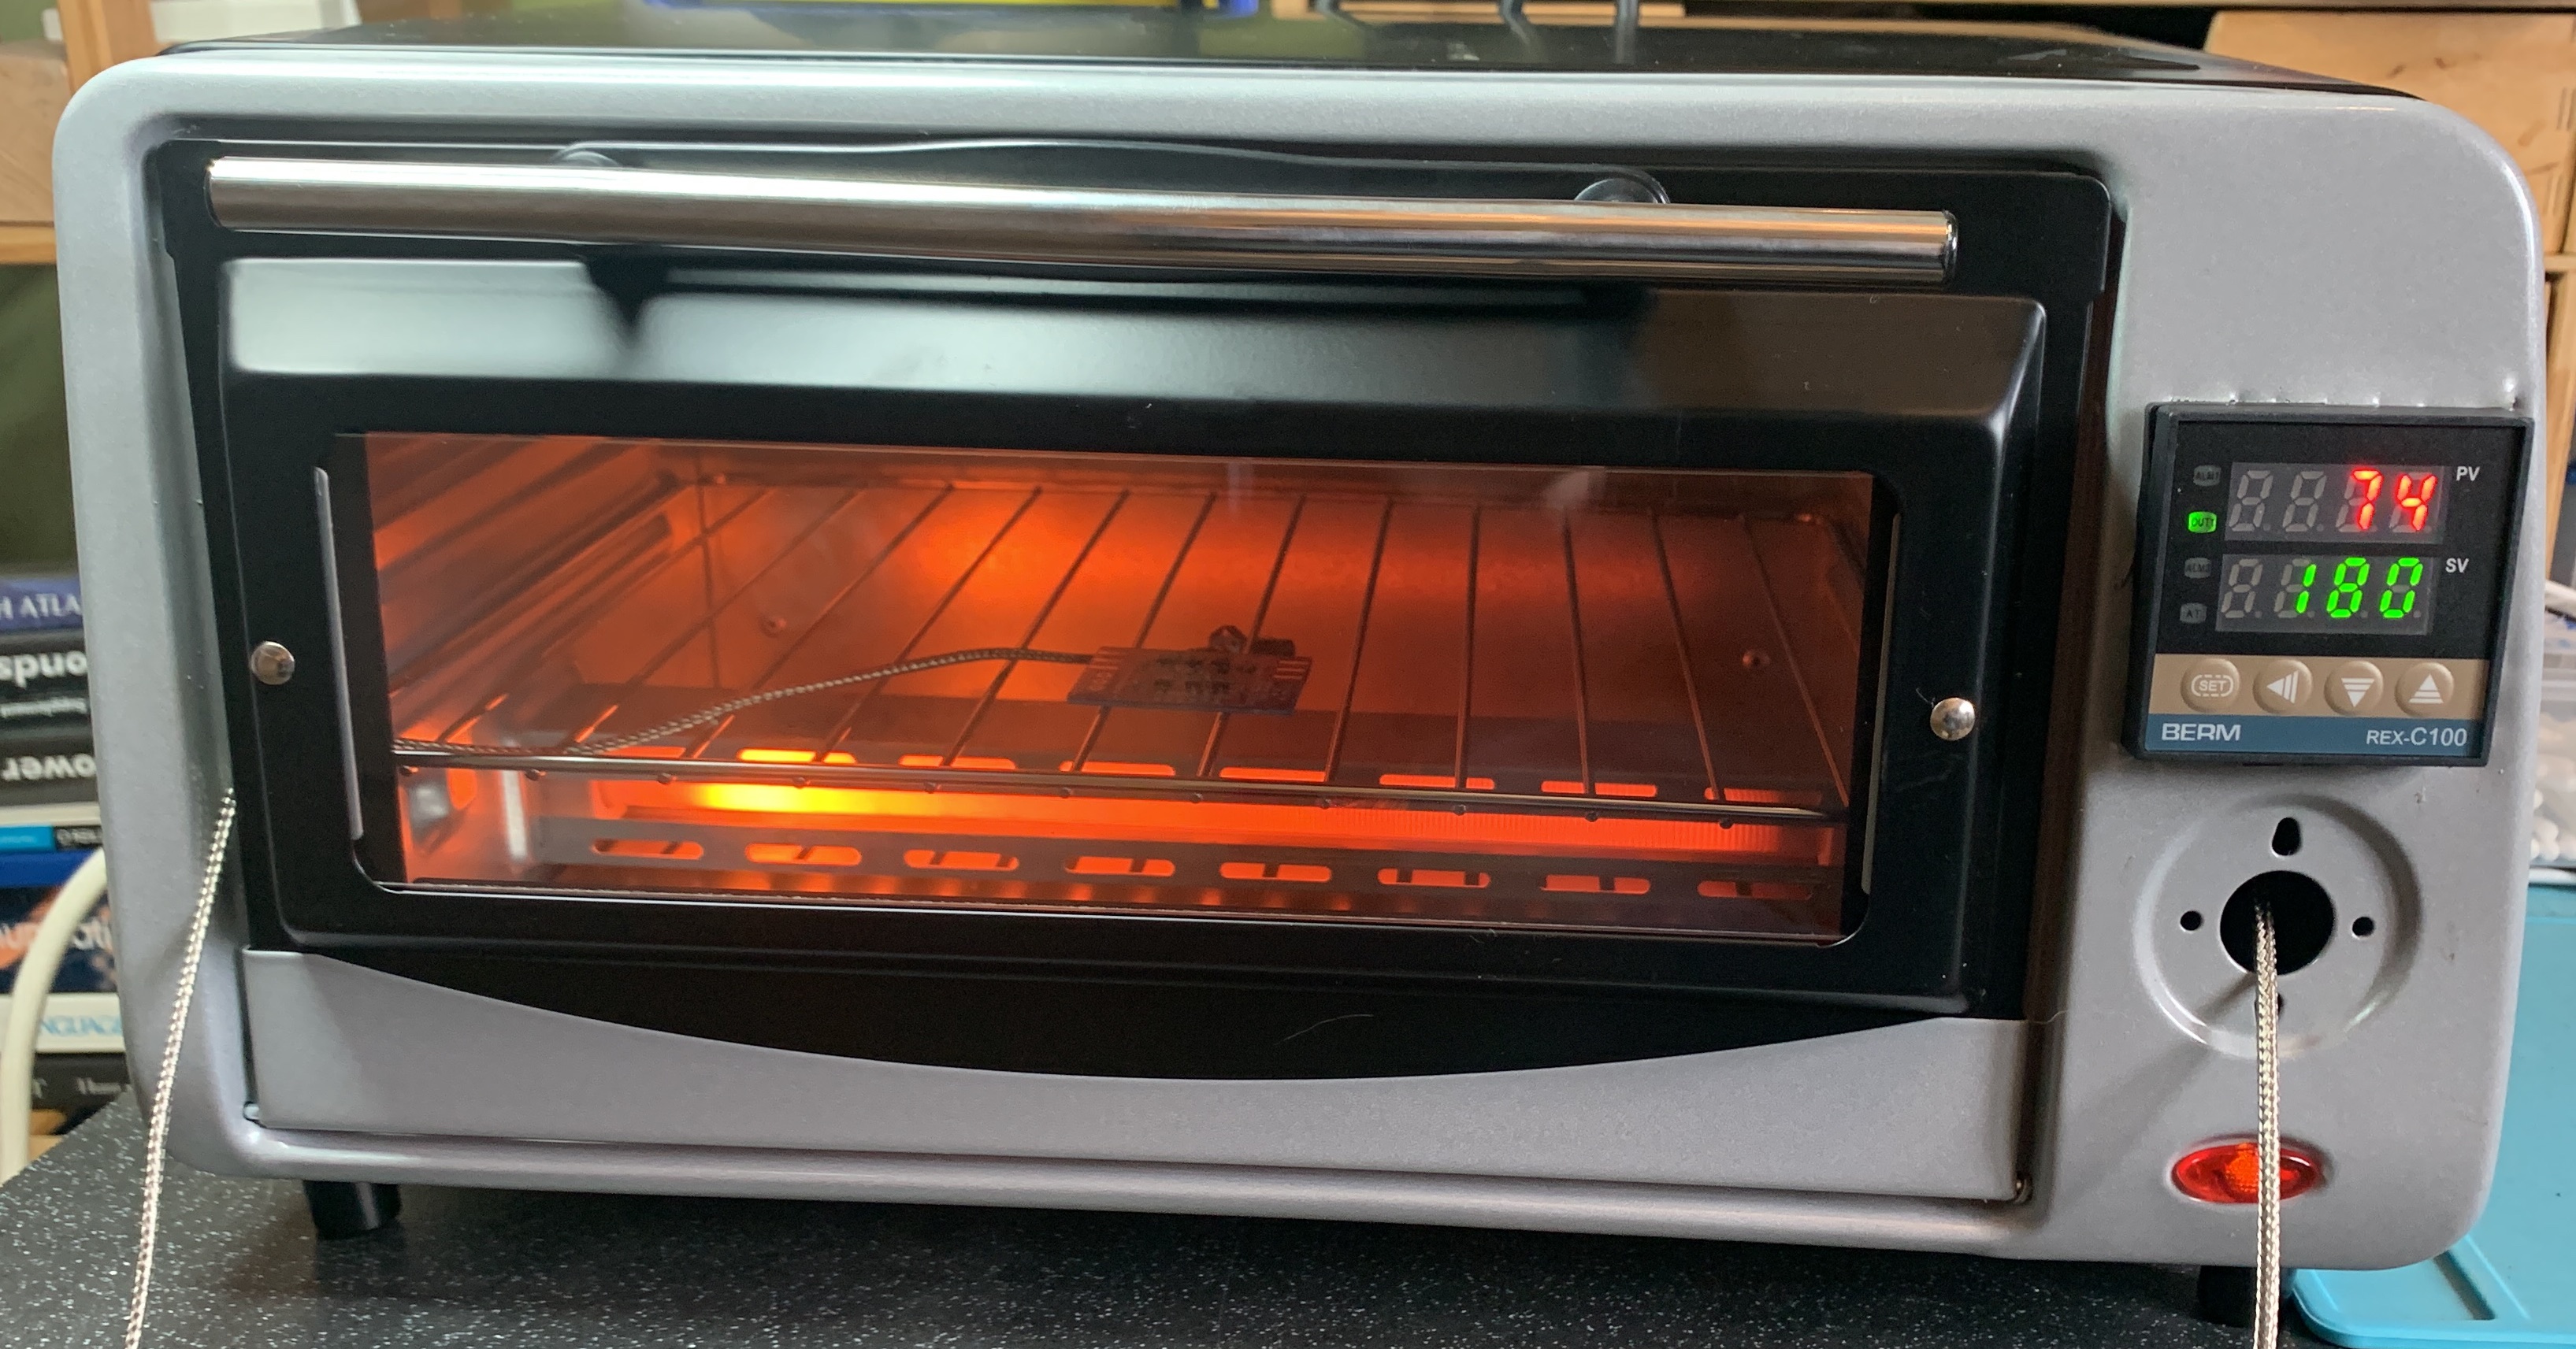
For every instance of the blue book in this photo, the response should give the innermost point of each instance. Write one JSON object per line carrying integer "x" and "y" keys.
{"x": 39, "y": 602}
{"x": 88, "y": 967}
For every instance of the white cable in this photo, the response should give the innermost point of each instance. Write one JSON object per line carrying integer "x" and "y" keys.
{"x": 2267, "y": 1131}
{"x": 2560, "y": 599}
{"x": 73, "y": 903}
{"x": 156, "y": 1136}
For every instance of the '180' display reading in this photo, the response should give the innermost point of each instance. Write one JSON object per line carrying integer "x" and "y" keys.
{"x": 2292, "y": 502}
{"x": 2273, "y": 593}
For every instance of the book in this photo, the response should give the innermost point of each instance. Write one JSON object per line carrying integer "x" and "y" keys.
{"x": 78, "y": 1023}
{"x": 44, "y": 681}
{"x": 44, "y": 765}
{"x": 39, "y": 601}
{"x": 74, "y": 1083}
{"x": 81, "y": 1014}
{"x": 41, "y": 845}
{"x": 89, "y": 966}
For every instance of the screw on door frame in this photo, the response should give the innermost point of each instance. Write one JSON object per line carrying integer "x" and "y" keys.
{"x": 272, "y": 663}
{"x": 1954, "y": 718}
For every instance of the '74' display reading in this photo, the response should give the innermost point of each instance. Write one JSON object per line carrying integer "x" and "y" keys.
{"x": 2309, "y": 501}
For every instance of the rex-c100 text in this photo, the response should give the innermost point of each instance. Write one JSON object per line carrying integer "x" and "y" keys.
{"x": 2418, "y": 737}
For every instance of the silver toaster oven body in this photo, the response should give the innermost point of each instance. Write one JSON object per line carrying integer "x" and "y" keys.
{"x": 2277, "y": 245}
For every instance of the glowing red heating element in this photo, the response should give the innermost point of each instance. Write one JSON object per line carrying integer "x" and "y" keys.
{"x": 2230, "y": 1172}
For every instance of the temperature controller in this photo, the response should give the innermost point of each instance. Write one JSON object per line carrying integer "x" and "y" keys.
{"x": 2322, "y": 584}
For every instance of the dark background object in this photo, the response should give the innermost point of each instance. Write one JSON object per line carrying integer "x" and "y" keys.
{"x": 239, "y": 1266}
{"x": 35, "y": 461}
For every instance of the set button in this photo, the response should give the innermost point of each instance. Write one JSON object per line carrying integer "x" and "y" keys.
{"x": 2211, "y": 683}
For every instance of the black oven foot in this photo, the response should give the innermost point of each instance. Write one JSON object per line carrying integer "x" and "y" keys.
{"x": 350, "y": 1208}
{"x": 2226, "y": 1295}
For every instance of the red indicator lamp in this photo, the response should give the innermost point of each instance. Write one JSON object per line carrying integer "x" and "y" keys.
{"x": 2230, "y": 1172}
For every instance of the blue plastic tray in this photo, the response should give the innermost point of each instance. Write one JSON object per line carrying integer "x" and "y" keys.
{"x": 2512, "y": 1279}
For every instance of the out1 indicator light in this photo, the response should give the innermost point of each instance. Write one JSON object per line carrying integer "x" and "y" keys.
{"x": 2201, "y": 522}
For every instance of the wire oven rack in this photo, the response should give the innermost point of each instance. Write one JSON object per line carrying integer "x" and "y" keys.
{"x": 1478, "y": 654}
{"x": 1528, "y": 697}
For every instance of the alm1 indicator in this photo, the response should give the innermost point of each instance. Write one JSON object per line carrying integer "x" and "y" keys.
{"x": 2351, "y": 593}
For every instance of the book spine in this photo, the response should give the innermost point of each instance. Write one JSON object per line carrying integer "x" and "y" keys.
{"x": 78, "y": 1023}
{"x": 44, "y": 681}
{"x": 39, "y": 602}
{"x": 89, "y": 966}
{"x": 43, "y": 767}
{"x": 76, "y": 1082}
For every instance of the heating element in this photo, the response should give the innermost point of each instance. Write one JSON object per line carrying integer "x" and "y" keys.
{"x": 1483, "y": 694}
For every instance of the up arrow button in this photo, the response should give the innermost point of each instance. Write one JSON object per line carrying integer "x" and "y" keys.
{"x": 2425, "y": 689}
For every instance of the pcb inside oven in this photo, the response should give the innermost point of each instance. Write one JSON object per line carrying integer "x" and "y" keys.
{"x": 1614, "y": 699}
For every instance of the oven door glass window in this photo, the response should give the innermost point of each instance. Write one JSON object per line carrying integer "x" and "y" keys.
{"x": 1359, "y": 692}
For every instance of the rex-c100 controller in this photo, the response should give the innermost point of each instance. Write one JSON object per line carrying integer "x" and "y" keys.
{"x": 2321, "y": 584}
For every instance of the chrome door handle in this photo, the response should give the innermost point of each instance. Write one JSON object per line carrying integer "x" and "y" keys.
{"x": 1429, "y": 236}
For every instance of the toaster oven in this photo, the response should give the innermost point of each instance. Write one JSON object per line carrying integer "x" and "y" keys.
{"x": 1708, "y": 631}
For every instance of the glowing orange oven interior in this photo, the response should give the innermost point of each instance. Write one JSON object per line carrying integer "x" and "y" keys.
{"x": 1616, "y": 699}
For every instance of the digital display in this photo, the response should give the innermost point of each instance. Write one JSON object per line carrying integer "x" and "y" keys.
{"x": 2295, "y": 503}
{"x": 2346, "y": 593}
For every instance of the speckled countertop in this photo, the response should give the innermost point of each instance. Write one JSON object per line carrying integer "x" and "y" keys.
{"x": 239, "y": 1268}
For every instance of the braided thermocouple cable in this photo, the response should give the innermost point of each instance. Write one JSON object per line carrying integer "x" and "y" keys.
{"x": 156, "y": 1137}
{"x": 2267, "y": 1130}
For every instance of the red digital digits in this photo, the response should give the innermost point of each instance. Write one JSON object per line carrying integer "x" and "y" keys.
{"x": 2361, "y": 501}
{"x": 2414, "y": 501}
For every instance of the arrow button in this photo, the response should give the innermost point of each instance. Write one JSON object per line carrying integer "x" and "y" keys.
{"x": 2424, "y": 689}
{"x": 2353, "y": 687}
{"x": 2287, "y": 687}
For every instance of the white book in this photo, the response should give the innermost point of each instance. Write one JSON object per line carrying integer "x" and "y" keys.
{"x": 78, "y": 1023}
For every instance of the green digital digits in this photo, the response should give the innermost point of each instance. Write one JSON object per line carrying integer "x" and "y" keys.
{"x": 2350, "y": 576}
{"x": 2266, "y": 592}
{"x": 2396, "y": 602}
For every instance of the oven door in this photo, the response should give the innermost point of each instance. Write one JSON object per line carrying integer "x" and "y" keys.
{"x": 1098, "y": 674}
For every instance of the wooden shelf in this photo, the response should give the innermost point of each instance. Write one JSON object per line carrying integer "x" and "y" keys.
{"x": 26, "y": 245}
